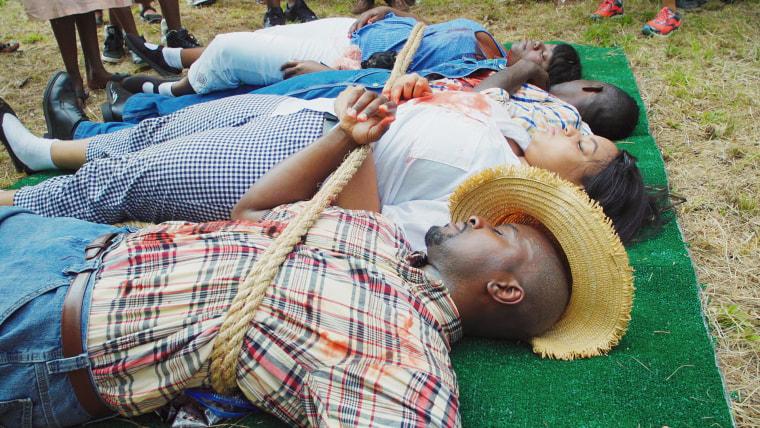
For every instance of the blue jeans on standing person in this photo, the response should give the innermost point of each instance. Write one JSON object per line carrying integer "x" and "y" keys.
{"x": 38, "y": 259}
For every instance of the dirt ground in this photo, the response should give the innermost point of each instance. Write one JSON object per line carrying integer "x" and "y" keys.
{"x": 700, "y": 87}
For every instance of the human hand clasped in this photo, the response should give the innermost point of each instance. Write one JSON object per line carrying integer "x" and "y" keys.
{"x": 364, "y": 115}
{"x": 409, "y": 86}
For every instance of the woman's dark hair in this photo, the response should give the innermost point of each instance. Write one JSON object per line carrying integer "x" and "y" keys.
{"x": 565, "y": 64}
{"x": 632, "y": 206}
{"x": 384, "y": 59}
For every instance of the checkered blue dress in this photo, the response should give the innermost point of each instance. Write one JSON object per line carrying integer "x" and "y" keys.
{"x": 191, "y": 165}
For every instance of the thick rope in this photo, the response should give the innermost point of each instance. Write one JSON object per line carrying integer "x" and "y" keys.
{"x": 405, "y": 56}
{"x": 251, "y": 292}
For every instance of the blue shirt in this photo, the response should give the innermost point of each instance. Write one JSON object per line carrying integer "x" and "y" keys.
{"x": 441, "y": 43}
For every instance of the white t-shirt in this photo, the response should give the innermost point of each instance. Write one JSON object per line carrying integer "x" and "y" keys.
{"x": 434, "y": 144}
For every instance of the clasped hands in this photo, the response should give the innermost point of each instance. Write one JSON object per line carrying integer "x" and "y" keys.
{"x": 365, "y": 115}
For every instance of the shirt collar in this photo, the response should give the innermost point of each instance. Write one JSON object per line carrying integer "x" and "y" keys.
{"x": 437, "y": 301}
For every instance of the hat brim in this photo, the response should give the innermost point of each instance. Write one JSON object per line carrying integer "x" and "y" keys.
{"x": 598, "y": 313}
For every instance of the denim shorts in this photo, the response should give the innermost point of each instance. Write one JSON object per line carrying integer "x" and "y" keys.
{"x": 38, "y": 259}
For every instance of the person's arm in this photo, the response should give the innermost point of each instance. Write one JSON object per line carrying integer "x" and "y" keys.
{"x": 361, "y": 192}
{"x": 298, "y": 67}
{"x": 364, "y": 118}
{"x": 378, "y": 14}
{"x": 512, "y": 77}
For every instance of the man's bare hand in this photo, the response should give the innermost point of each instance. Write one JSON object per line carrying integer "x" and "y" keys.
{"x": 364, "y": 115}
{"x": 409, "y": 86}
{"x": 370, "y": 16}
{"x": 298, "y": 67}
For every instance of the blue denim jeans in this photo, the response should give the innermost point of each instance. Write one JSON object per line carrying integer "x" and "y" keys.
{"x": 38, "y": 259}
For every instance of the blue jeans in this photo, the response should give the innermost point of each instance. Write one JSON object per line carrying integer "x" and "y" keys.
{"x": 38, "y": 259}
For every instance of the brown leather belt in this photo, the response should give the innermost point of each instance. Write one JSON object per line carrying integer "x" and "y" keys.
{"x": 71, "y": 332}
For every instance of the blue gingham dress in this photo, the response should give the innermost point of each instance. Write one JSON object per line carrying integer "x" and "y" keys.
{"x": 192, "y": 165}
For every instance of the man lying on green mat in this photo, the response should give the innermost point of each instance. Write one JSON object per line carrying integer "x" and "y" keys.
{"x": 355, "y": 329}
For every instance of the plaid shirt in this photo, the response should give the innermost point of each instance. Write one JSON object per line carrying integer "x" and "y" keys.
{"x": 348, "y": 333}
{"x": 538, "y": 110}
{"x": 531, "y": 107}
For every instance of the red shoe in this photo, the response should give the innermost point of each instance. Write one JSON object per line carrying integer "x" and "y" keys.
{"x": 665, "y": 23}
{"x": 608, "y": 9}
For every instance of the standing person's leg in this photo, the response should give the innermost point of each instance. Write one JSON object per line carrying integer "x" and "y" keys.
{"x": 97, "y": 76}
{"x": 123, "y": 23}
{"x": 176, "y": 35}
{"x": 170, "y": 9}
{"x": 64, "y": 30}
{"x": 123, "y": 18}
{"x": 667, "y": 20}
{"x": 148, "y": 13}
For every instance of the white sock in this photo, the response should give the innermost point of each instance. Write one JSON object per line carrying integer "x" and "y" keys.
{"x": 166, "y": 89}
{"x": 149, "y": 88}
{"x": 30, "y": 149}
{"x": 173, "y": 57}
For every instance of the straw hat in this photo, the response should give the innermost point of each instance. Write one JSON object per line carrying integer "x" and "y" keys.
{"x": 602, "y": 283}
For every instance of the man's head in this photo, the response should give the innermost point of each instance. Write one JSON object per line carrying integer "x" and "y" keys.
{"x": 607, "y": 109}
{"x": 561, "y": 61}
{"x": 601, "y": 293}
{"x": 507, "y": 281}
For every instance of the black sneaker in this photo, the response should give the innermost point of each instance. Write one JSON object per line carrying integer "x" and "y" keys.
{"x": 181, "y": 39}
{"x": 689, "y": 4}
{"x": 274, "y": 16}
{"x": 116, "y": 97}
{"x": 151, "y": 54}
{"x": 300, "y": 12}
{"x": 113, "y": 48}
{"x": 134, "y": 84}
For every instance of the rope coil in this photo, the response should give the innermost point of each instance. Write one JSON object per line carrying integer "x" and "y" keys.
{"x": 251, "y": 292}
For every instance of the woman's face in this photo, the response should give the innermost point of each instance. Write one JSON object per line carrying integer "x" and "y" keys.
{"x": 537, "y": 52}
{"x": 569, "y": 153}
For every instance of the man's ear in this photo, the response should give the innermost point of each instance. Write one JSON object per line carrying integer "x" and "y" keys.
{"x": 506, "y": 292}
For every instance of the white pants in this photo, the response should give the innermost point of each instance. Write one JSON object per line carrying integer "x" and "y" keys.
{"x": 255, "y": 58}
